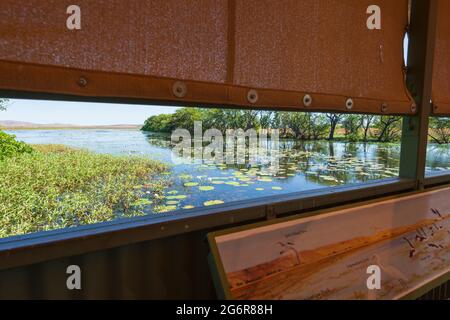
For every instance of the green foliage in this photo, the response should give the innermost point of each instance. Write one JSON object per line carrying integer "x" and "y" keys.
{"x": 3, "y": 104}
{"x": 159, "y": 123}
{"x": 352, "y": 124}
{"x": 296, "y": 125}
{"x": 388, "y": 128}
{"x": 57, "y": 187}
{"x": 10, "y": 147}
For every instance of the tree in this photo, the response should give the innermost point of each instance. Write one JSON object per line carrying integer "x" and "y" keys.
{"x": 352, "y": 124}
{"x": 158, "y": 123}
{"x": 184, "y": 118}
{"x": 388, "y": 128}
{"x": 366, "y": 124}
{"x": 440, "y": 130}
{"x": 318, "y": 126}
{"x": 3, "y": 103}
{"x": 333, "y": 119}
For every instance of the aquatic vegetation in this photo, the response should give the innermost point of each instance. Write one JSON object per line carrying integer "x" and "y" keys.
{"x": 142, "y": 202}
{"x": 206, "y": 188}
{"x": 277, "y": 188}
{"x": 56, "y": 187}
{"x": 191, "y": 184}
{"x": 177, "y": 197}
{"x": 213, "y": 203}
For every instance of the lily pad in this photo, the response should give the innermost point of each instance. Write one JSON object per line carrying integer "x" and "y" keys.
{"x": 178, "y": 197}
{"x": 162, "y": 209}
{"x": 191, "y": 184}
{"x": 213, "y": 202}
{"x": 188, "y": 207}
{"x": 206, "y": 188}
{"x": 277, "y": 188}
{"x": 259, "y": 189}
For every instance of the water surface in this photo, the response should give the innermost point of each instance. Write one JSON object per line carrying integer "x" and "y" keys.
{"x": 303, "y": 166}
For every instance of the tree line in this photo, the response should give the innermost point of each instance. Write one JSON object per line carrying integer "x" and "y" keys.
{"x": 296, "y": 125}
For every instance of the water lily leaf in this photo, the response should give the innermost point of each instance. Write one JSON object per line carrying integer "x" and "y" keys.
{"x": 172, "y": 192}
{"x": 259, "y": 189}
{"x": 162, "y": 209}
{"x": 178, "y": 197}
{"x": 213, "y": 202}
{"x": 233, "y": 183}
{"x": 172, "y": 202}
{"x": 277, "y": 188}
{"x": 191, "y": 184}
{"x": 265, "y": 180}
{"x": 188, "y": 207}
{"x": 206, "y": 188}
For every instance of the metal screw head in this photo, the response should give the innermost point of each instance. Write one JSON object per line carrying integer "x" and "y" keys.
{"x": 307, "y": 100}
{"x": 252, "y": 96}
{"x": 435, "y": 108}
{"x": 349, "y": 104}
{"x": 413, "y": 108}
{"x": 179, "y": 89}
{"x": 384, "y": 107}
{"x": 82, "y": 82}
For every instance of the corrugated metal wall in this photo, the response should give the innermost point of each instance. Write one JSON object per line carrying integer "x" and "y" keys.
{"x": 169, "y": 268}
{"x": 440, "y": 293}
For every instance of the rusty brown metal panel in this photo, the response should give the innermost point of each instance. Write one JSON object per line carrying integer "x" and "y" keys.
{"x": 322, "y": 47}
{"x": 238, "y": 53}
{"x": 170, "y": 268}
{"x": 441, "y": 72}
{"x": 167, "y": 38}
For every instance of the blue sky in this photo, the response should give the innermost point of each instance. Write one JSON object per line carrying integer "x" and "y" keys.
{"x": 82, "y": 113}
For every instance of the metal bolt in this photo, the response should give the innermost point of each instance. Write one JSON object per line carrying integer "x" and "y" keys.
{"x": 384, "y": 107}
{"x": 179, "y": 89}
{"x": 413, "y": 108}
{"x": 349, "y": 104}
{"x": 307, "y": 100}
{"x": 82, "y": 82}
{"x": 252, "y": 96}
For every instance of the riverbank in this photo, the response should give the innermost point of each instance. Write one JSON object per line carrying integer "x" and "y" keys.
{"x": 57, "y": 186}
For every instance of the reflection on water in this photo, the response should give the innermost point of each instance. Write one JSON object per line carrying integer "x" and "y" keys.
{"x": 302, "y": 166}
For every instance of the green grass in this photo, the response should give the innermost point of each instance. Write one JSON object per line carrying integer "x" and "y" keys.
{"x": 56, "y": 187}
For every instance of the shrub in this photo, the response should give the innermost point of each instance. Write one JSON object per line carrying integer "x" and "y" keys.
{"x": 57, "y": 187}
{"x": 10, "y": 147}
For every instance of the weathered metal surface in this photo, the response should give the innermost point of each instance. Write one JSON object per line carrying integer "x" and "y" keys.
{"x": 219, "y": 49}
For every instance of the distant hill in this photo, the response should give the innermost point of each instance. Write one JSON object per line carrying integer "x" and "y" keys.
{"x": 11, "y": 124}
